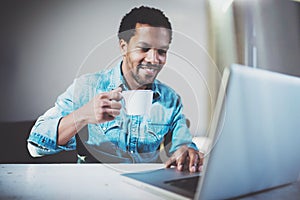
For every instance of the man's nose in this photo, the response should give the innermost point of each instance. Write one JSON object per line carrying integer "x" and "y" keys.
{"x": 152, "y": 56}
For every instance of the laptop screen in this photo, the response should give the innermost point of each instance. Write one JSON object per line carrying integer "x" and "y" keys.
{"x": 256, "y": 135}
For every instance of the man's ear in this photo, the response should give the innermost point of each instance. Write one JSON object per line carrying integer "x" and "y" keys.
{"x": 123, "y": 46}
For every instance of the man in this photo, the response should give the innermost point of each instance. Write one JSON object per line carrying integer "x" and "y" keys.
{"x": 95, "y": 101}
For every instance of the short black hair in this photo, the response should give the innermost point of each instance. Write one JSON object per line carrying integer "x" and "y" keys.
{"x": 144, "y": 15}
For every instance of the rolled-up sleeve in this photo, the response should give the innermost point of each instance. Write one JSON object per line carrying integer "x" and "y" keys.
{"x": 42, "y": 139}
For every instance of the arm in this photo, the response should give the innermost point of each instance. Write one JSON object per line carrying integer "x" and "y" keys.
{"x": 186, "y": 154}
{"x": 102, "y": 108}
{"x": 54, "y": 131}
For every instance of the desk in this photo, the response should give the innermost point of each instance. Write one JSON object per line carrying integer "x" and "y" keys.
{"x": 70, "y": 181}
{"x": 91, "y": 181}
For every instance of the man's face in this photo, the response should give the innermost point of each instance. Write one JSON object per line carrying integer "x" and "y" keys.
{"x": 144, "y": 55}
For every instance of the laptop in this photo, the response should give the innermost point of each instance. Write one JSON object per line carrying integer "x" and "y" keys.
{"x": 254, "y": 140}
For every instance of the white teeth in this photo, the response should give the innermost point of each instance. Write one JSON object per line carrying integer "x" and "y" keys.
{"x": 150, "y": 69}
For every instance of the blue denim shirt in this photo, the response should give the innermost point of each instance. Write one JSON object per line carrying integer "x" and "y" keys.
{"x": 137, "y": 135}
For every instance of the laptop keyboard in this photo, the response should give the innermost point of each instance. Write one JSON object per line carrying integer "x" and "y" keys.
{"x": 187, "y": 184}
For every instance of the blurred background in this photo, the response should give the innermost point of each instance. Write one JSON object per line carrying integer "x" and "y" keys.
{"x": 44, "y": 45}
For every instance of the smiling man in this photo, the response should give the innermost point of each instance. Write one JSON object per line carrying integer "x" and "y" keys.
{"x": 95, "y": 101}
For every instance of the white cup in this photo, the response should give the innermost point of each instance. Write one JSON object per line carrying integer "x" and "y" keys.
{"x": 137, "y": 102}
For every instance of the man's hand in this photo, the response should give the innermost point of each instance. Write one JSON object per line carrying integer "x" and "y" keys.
{"x": 186, "y": 158}
{"x": 103, "y": 107}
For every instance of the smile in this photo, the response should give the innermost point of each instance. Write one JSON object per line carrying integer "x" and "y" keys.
{"x": 149, "y": 67}
{"x": 149, "y": 71}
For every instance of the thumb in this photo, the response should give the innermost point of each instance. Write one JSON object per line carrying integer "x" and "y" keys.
{"x": 118, "y": 89}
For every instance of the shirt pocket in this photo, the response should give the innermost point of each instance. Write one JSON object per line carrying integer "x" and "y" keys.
{"x": 150, "y": 140}
{"x": 112, "y": 130}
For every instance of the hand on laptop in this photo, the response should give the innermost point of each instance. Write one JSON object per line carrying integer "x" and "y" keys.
{"x": 186, "y": 158}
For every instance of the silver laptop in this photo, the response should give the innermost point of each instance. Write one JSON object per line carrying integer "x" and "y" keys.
{"x": 255, "y": 134}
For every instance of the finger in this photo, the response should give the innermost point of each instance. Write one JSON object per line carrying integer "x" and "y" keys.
{"x": 118, "y": 89}
{"x": 201, "y": 156}
{"x": 171, "y": 161}
{"x": 111, "y": 95}
{"x": 105, "y": 103}
{"x": 115, "y": 94}
{"x": 112, "y": 112}
{"x": 115, "y": 105}
{"x": 181, "y": 161}
{"x": 194, "y": 160}
{"x": 200, "y": 167}
{"x": 108, "y": 117}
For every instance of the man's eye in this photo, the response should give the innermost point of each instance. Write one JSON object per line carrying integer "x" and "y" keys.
{"x": 161, "y": 52}
{"x": 144, "y": 49}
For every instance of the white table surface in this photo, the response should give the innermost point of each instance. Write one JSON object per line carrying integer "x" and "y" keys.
{"x": 92, "y": 181}
{"x": 71, "y": 181}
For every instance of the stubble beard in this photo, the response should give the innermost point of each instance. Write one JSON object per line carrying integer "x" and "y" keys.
{"x": 141, "y": 81}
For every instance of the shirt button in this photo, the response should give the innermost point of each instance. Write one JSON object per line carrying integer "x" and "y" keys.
{"x": 104, "y": 128}
{"x": 131, "y": 151}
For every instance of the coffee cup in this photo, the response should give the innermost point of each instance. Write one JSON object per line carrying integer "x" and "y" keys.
{"x": 137, "y": 102}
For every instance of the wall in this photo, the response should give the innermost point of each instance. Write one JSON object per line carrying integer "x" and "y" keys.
{"x": 278, "y": 35}
{"x": 268, "y": 34}
{"x": 46, "y": 44}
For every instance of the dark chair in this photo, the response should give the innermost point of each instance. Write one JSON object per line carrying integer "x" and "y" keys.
{"x": 13, "y": 146}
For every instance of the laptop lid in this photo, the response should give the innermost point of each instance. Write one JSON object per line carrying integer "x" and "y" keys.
{"x": 255, "y": 134}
